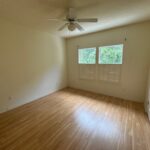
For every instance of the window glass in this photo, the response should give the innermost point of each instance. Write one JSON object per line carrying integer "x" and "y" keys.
{"x": 111, "y": 54}
{"x": 87, "y": 56}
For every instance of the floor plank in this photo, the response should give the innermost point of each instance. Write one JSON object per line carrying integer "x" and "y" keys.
{"x": 76, "y": 120}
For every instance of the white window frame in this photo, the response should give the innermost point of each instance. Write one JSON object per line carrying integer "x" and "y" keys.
{"x": 97, "y": 65}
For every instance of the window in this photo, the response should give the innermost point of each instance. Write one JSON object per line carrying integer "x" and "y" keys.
{"x": 111, "y": 54}
{"x": 87, "y": 56}
{"x": 91, "y": 62}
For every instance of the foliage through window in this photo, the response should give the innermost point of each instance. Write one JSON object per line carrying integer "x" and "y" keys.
{"x": 111, "y": 54}
{"x": 87, "y": 56}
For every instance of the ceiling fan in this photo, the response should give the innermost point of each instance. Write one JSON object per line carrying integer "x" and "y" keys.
{"x": 72, "y": 22}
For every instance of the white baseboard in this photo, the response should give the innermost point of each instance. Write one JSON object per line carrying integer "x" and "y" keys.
{"x": 11, "y": 107}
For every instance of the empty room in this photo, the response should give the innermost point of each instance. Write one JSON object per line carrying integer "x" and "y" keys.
{"x": 74, "y": 74}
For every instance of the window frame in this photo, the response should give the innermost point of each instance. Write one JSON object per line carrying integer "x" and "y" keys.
{"x": 97, "y": 53}
{"x": 97, "y": 65}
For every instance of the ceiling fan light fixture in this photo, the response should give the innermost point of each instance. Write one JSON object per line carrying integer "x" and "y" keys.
{"x": 71, "y": 27}
{"x": 73, "y": 23}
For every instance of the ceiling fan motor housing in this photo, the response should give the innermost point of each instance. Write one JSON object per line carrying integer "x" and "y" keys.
{"x": 71, "y": 26}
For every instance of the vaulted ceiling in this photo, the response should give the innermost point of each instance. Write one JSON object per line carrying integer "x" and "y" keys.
{"x": 111, "y": 13}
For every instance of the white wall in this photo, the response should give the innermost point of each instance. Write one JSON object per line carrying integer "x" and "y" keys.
{"x": 132, "y": 85}
{"x": 32, "y": 65}
{"x": 147, "y": 102}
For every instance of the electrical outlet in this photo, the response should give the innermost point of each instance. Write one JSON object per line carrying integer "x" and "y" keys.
{"x": 10, "y": 97}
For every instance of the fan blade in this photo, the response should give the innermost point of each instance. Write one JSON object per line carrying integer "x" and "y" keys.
{"x": 54, "y": 19}
{"x": 88, "y": 20}
{"x": 61, "y": 28}
{"x": 71, "y": 13}
{"x": 79, "y": 27}
{"x": 51, "y": 19}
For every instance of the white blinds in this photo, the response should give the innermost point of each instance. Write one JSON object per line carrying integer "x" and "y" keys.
{"x": 108, "y": 73}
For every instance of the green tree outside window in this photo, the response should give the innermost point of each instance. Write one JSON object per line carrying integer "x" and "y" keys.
{"x": 111, "y": 54}
{"x": 87, "y": 56}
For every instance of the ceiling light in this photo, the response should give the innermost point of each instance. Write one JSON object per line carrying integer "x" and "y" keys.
{"x": 71, "y": 27}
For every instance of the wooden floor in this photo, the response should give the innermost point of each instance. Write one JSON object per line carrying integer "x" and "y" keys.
{"x": 76, "y": 120}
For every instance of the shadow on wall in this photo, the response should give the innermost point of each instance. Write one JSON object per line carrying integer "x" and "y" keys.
{"x": 32, "y": 65}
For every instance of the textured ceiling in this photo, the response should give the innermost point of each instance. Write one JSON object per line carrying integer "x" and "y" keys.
{"x": 111, "y": 13}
